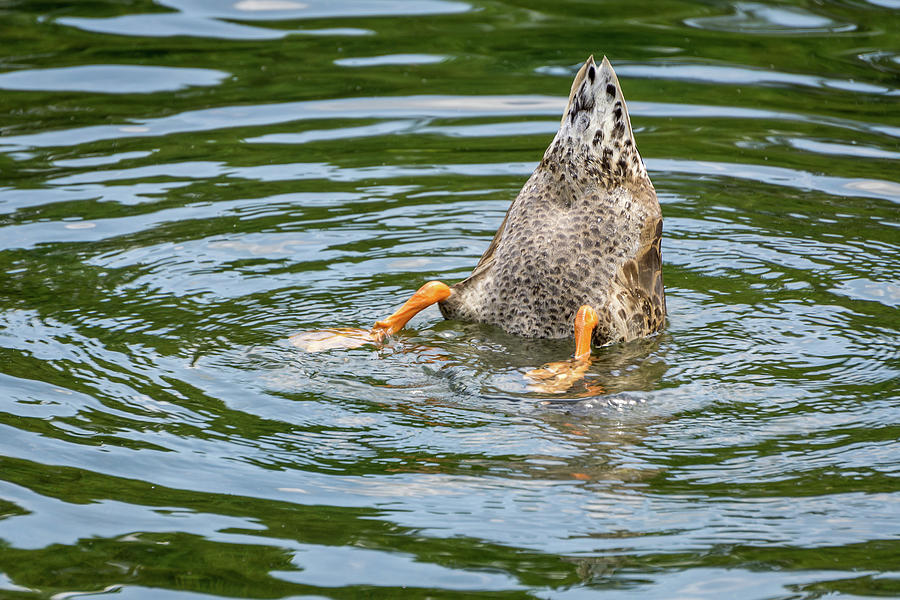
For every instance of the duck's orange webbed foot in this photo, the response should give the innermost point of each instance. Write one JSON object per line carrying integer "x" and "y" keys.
{"x": 345, "y": 337}
{"x": 557, "y": 377}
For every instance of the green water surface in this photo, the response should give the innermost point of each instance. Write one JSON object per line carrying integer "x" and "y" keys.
{"x": 186, "y": 183}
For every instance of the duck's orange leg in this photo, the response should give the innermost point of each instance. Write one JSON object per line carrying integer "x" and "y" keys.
{"x": 586, "y": 320}
{"x": 557, "y": 377}
{"x": 327, "y": 339}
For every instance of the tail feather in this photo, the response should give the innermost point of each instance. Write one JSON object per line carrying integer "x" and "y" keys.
{"x": 596, "y": 122}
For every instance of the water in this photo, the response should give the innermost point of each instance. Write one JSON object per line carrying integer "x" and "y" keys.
{"x": 187, "y": 183}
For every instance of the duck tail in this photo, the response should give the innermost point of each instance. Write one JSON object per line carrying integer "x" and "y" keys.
{"x": 597, "y": 121}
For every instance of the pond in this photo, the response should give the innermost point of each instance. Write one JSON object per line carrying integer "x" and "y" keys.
{"x": 188, "y": 183}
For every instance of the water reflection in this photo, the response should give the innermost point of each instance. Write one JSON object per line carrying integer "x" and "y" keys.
{"x": 110, "y": 79}
{"x": 732, "y": 75}
{"x": 221, "y": 20}
{"x": 759, "y": 18}
{"x": 390, "y": 59}
{"x": 265, "y": 172}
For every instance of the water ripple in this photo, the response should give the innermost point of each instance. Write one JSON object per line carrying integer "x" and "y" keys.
{"x": 731, "y": 75}
{"x": 110, "y": 79}
{"x": 199, "y": 18}
{"x": 167, "y": 223}
{"x": 762, "y": 19}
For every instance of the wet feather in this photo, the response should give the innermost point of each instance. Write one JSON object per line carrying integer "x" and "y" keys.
{"x": 585, "y": 229}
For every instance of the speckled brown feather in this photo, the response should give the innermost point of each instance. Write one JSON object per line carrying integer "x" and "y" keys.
{"x": 585, "y": 229}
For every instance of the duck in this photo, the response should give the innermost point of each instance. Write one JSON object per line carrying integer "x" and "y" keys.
{"x": 577, "y": 254}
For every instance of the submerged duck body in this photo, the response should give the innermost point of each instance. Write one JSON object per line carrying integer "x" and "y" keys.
{"x": 585, "y": 230}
